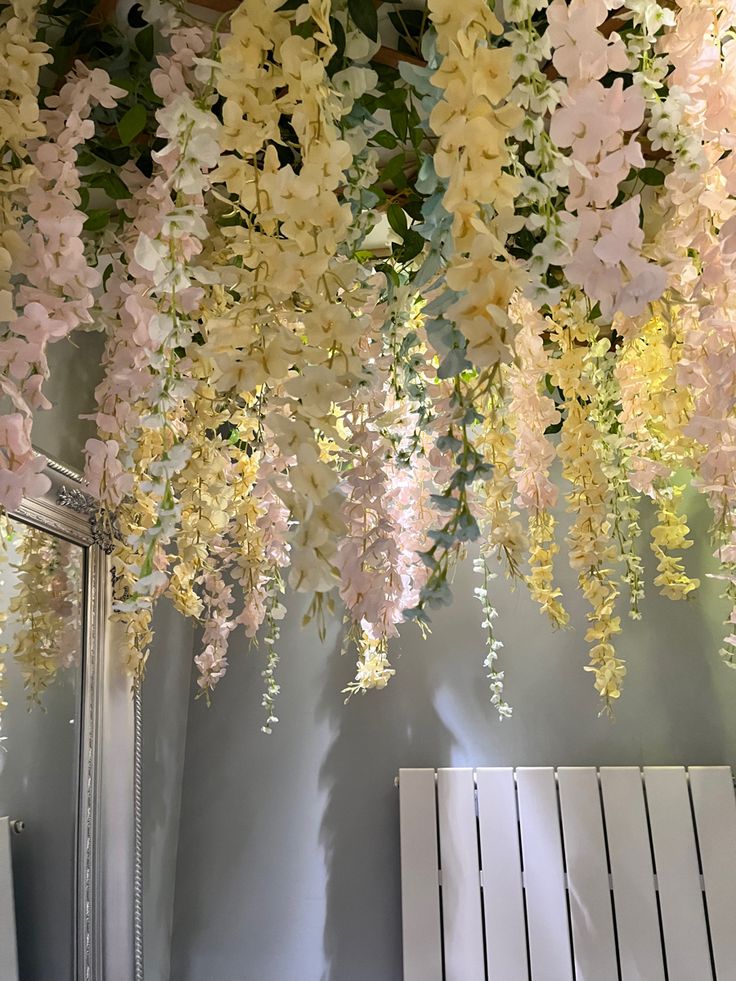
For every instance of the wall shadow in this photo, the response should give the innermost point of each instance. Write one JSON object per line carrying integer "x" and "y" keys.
{"x": 166, "y": 694}
{"x": 359, "y": 832}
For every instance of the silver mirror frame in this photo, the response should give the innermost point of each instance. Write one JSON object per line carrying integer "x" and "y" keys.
{"x": 108, "y": 942}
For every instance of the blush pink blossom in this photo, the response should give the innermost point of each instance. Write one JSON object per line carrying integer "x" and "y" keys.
{"x": 580, "y": 50}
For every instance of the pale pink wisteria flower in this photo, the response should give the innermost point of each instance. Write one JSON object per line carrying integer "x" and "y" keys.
{"x": 607, "y": 261}
{"x": 532, "y": 411}
{"x": 57, "y": 284}
{"x": 21, "y": 469}
{"x": 581, "y": 52}
{"x": 592, "y": 121}
{"x": 219, "y": 623}
{"x": 106, "y": 478}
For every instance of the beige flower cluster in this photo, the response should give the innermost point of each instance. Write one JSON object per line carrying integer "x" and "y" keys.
{"x": 473, "y": 121}
{"x": 21, "y": 58}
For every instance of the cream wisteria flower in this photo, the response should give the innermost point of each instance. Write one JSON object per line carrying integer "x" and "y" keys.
{"x": 286, "y": 402}
{"x": 473, "y": 120}
{"x": 46, "y": 605}
{"x": 21, "y": 58}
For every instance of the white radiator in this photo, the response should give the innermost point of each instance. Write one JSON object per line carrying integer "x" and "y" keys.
{"x": 8, "y": 944}
{"x": 574, "y": 874}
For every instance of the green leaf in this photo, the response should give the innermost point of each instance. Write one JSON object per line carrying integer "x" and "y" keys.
{"x": 115, "y": 156}
{"x": 365, "y": 17}
{"x": 338, "y": 39}
{"x": 400, "y": 122}
{"x": 413, "y": 245}
{"x": 413, "y": 208}
{"x": 393, "y": 99}
{"x": 110, "y": 184}
{"x": 409, "y": 22}
{"x": 107, "y": 274}
{"x": 394, "y": 170}
{"x": 132, "y": 123}
{"x": 97, "y": 219}
{"x": 144, "y": 42}
{"x": 129, "y": 83}
{"x": 397, "y": 219}
{"x": 389, "y": 272}
{"x": 651, "y": 176}
{"x": 386, "y": 139}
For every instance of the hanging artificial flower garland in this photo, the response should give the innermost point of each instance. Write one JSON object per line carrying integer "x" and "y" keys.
{"x": 284, "y": 403}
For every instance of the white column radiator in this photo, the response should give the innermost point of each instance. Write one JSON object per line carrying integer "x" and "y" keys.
{"x": 574, "y": 874}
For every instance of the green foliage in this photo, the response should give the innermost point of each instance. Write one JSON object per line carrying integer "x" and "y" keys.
{"x": 365, "y": 17}
{"x": 80, "y": 30}
{"x": 97, "y": 219}
{"x": 110, "y": 183}
{"x": 651, "y": 176}
{"x": 132, "y": 123}
{"x": 460, "y": 527}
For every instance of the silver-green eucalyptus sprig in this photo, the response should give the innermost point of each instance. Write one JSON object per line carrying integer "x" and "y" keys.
{"x": 454, "y": 503}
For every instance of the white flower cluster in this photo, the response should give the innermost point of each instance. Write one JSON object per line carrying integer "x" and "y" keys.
{"x": 274, "y": 616}
{"x": 191, "y": 134}
{"x": 667, "y": 108}
{"x": 374, "y": 670}
{"x": 495, "y": 677}
{"x": 668, "y": 129}
{"x": 542, "y": 168}
{"x": 649, "y": 17}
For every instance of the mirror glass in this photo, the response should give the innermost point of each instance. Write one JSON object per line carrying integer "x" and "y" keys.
{"x": 41, "y": 623}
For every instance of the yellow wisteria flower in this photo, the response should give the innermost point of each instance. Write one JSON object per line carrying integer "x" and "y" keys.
{"x": 591, "y": 549}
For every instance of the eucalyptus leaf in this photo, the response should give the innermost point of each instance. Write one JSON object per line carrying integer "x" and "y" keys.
{"x": 453, "y": 364}
{"x": 443, "y": 502}
{"x": 441, "y": 335}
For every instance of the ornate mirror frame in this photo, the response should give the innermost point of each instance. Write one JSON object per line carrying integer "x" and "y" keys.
{"x": 108, "y": 942}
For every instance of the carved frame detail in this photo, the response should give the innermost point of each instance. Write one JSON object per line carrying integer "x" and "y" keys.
{"x": 108, "y": 865}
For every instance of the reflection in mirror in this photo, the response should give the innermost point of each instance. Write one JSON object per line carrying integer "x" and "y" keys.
{"x": 41, "y": 604}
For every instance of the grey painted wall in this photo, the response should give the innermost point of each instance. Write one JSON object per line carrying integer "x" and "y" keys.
{"x": 165, "y": 705}
{"x": 75, "y": 371}
{"x": 288, "y": 847}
